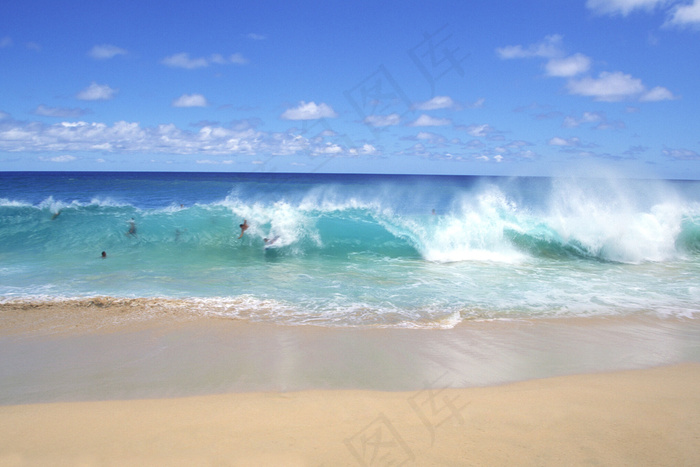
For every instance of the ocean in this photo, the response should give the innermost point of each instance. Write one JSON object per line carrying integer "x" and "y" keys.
{"x": 354, "y": 250}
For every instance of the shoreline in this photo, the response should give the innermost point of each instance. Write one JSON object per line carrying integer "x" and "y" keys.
{"x": 68, "y": 353}
{"x": 125, "y": 385}
{"x": 639, "y": 417}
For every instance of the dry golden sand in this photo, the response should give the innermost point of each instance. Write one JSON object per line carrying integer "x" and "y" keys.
{"x": 641, "y": 417}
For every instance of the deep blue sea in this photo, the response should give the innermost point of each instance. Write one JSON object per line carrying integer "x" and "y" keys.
{"x": 355, "y": 250}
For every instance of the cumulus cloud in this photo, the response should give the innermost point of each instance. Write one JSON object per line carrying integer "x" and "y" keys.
{"x": 63, "y": 158}
{"x": 383, "y": 120}
{"x": 478, "y": 131}
{"x": 608, "y": 87}
{"x": 682, "y": 154}
{"x": 183, "y": 60}
{"x": 550, "y": 47}
{"x": 59, "y": 112}
{"x": 573, "y": 142}
{"x": 437, "y": 102}
{"x": 236, "y": 59}
{"x": 623, "y": 7}
{"x": 131, "y": 138}
{"x": 616, "y": 86}
{"x": 587, "y": 117}
{"x": 477, "y": 104}
{"x": 96, "y": 92}
{"x": 685, "y": 15}
{"x": 681, "y": 14}
{"x": 659, "y": 93}
{"x": 190, "y": 100}
{"x": 568, "y": 66}
{"x": 427, "y": 120}
{"x": 309, "y": 111}
{"x": 106, "y": 51}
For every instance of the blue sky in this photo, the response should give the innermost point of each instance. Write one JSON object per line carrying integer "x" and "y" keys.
{"x": 543, "y": 87}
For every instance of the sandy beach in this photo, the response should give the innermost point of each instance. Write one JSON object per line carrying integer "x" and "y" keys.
{"x": 108, "y": 384}
{"x": 643, "y": 417}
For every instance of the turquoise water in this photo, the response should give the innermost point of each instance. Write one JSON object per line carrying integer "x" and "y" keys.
{"x": 355, "y": 250}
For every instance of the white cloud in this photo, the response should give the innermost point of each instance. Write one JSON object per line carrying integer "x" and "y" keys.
{"x": 46, "y": 111}
{"x": 365, "y": 150}
{"x": 183, "y": 60}
{"x": 550, "y": 47}
{"x": 477, "y": 104}
{"x": 478, "y": 131}
{"x": 682, "y": 154}
{"x": 608, "y": 87}
{"x": 213, "y": 162}
{"x": 190, "y": 100}
{"x": 96, "y": 92}
{"x": 309, "y": 111}
{"x": 5, "y": 42}
{"x": 617, "y": 86}
{"x": 557, "y": 141}
{"x": 427, "y": 120}
{"x": 623, "y": 7}
{"x": 437, "y": 102}
{"x": 587, "y": 117}
{"x": 383, "y": 120}
{"x": 569, "y": 66}
{"x": 106, "y": 51}
{"x": 331, "y": 149}
{"x": 256, "y": 37}
{"x": 685, "y": 15}
{"x": 368, "y": 149}
{"x": 237, "y": 59}
{"x": 63, "y": 158}
{"x": 131, "y": 138}
{"x": 428, "y": 136}
{"x": 659, "y": 93}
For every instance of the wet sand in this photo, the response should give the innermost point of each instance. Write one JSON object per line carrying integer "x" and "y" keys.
{"x": 116, "y": 384}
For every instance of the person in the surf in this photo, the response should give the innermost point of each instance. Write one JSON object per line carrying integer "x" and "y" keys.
{"x": 244, "y": 227}
{"x": 132, "y": 227}
{"x": 270, "y": 241}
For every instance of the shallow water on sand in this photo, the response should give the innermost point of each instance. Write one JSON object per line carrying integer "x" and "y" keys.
{"x": 166, "y": 359}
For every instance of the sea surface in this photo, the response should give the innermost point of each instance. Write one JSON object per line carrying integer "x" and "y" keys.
{"x": 355, "y": 250}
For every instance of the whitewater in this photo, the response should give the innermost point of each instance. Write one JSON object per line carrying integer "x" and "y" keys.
{"x": 354, "y": 250}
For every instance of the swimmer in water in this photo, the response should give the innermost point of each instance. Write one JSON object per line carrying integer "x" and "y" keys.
{"x": 270, "y": 241}
{"x": 244, "y": 227}
{"x": 132, "y": 227}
